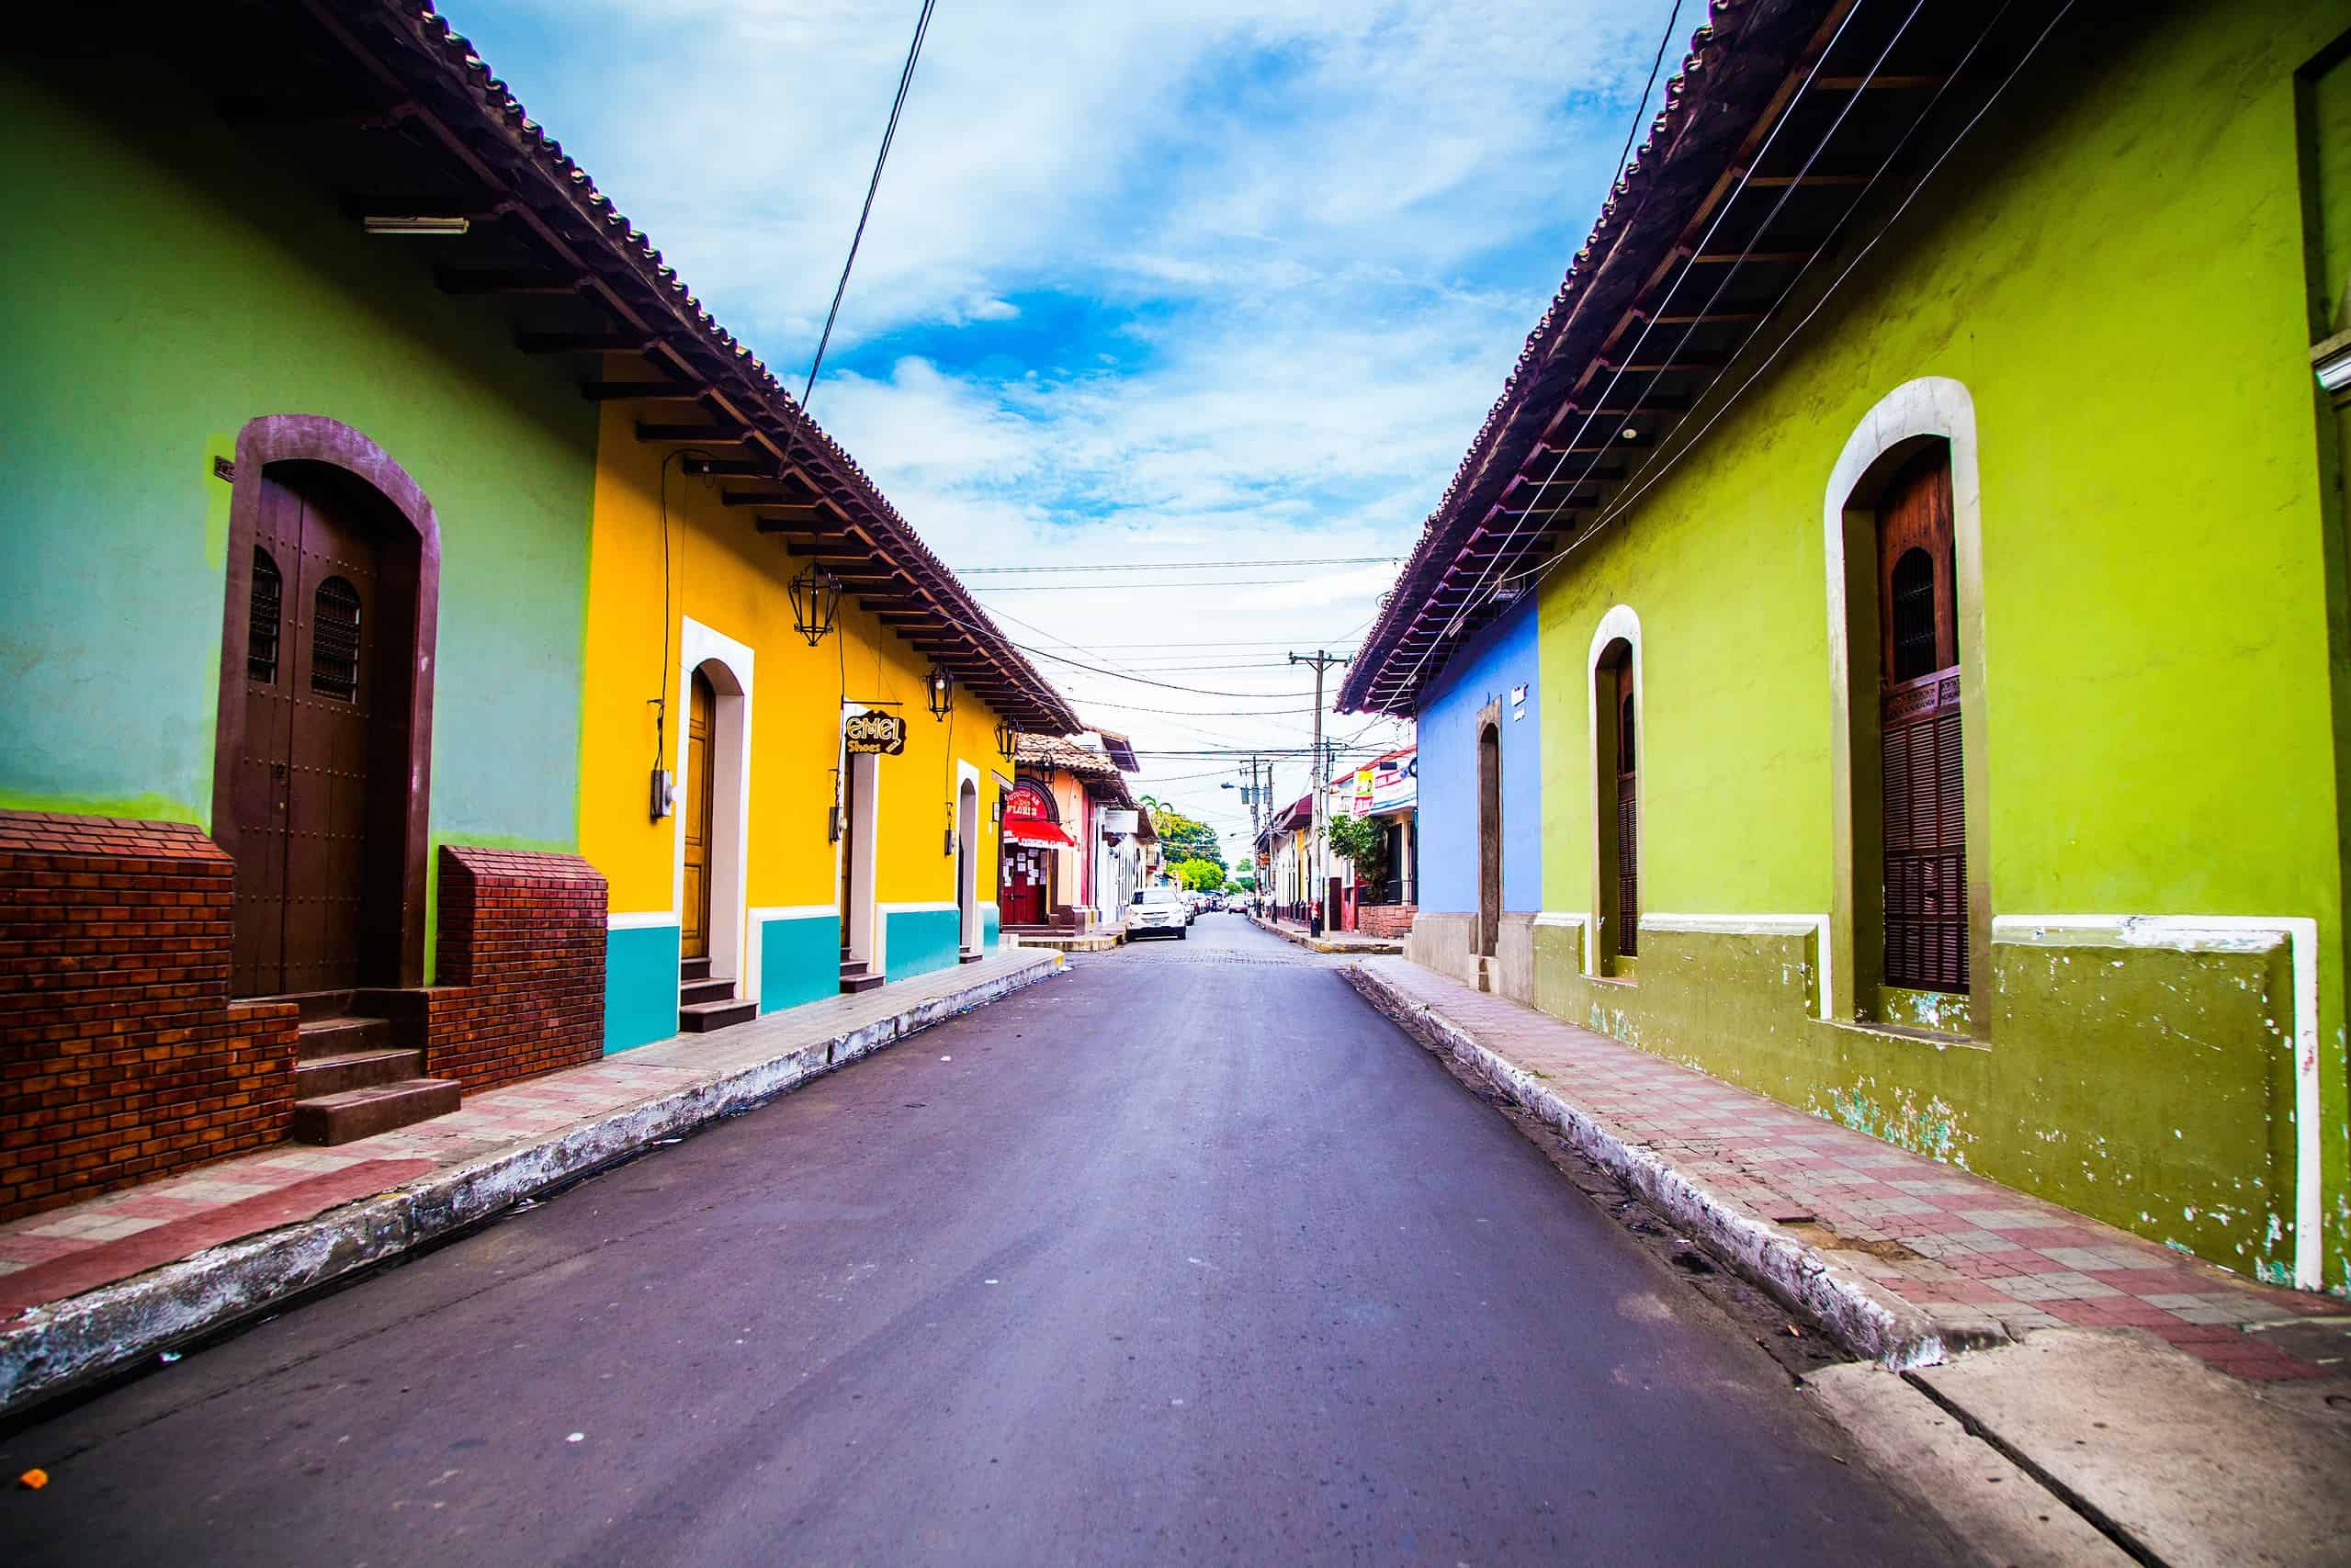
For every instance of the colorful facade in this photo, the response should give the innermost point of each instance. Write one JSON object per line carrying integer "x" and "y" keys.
{"x": 1075, "y": 834}
{"x": 1944, "y": 637}
{"x": 338, "y": 580}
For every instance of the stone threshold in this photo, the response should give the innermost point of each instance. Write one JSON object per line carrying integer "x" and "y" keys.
{"x": 95, "y": 1287}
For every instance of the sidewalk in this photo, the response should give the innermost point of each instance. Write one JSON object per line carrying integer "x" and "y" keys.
{"x": 97, "y": 1284}
{"x": 1330, "y": 942}
{"x": 1906, "y": 1258}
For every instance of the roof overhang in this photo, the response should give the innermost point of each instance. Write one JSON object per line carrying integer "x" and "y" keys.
{"x": 1789, "y": 122}
{"x": 386, "y": 107}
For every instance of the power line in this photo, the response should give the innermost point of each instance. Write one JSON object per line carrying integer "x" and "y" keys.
{"x": 1179, "y": 565}
{"x": 1153, "y": 587}
{"x": 889, "y": 134}
{"x": 1518, "y": 523}
{"x": 1618, "y": 506}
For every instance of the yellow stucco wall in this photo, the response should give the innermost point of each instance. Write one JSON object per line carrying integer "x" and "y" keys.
{"x": 725, "y": 575}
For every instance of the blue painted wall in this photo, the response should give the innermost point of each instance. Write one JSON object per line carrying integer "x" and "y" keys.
{"x": 1501, "y": 657}
{"x": 641, "y": 985}
{"x": 799, "y": 962}
{"x": 916, "y": 941}
{"x": 990, "y": 928}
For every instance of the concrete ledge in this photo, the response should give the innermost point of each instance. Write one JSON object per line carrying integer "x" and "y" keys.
{"x": 1343, "y": 944}
{"x": 87, "y": 1335}
{"x": 1863, "y": 1319}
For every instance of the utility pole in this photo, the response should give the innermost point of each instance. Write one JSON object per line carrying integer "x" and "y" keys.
{"x": 1321, "y": 660}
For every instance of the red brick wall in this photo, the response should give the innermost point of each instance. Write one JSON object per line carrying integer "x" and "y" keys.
{"x": 122, "y": 1058}
{"x": 521, "y": 978}
{"x": 1389, "y": 920}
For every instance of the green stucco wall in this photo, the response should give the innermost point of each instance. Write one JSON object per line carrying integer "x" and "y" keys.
{"x": 2114, "y": 269}
{"x": 168, "y": 281}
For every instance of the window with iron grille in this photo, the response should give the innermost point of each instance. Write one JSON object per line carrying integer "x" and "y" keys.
{"x": 334, "y": 640}
{"x": 264, "y": 608}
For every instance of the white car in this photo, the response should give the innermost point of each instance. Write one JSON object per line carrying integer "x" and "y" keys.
{"x": 1159, "y": 911}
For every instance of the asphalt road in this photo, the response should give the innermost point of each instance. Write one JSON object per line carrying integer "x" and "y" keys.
{"x": 1187, "y": 1255}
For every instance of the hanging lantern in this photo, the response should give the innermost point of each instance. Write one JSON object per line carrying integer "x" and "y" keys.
{"x": 942, "y": 695}
{"x": 1008, "y": 739}
{"x": 815, "y": 596}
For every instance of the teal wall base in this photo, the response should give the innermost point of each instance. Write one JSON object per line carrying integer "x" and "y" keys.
{"x": 916, "y": 941}
{"x": 641, "y": 985}
{"x": 799, "y": 962}
{"x": 991, "y": 929}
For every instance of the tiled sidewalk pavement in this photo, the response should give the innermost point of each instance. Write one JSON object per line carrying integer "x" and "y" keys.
{"x": 1975, "y": 1249}
{"x": 62, "y": 1252}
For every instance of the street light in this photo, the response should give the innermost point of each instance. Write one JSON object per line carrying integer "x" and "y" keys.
{"x": 942, "y": 695}
{"x": 1008, "y": 739}
{"x": 815, "y": 596}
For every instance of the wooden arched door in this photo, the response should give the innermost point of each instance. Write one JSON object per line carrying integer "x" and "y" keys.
{"x": 693, "y": 920}
{"x": 317, "y": 784}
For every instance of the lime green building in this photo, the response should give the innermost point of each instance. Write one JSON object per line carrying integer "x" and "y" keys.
{"x": 1928, "y": 488}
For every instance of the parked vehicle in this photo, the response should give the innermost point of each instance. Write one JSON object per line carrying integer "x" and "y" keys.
{"x": 1159, "y": 911}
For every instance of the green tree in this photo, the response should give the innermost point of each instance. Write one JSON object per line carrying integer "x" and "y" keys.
{"x": 1185, "y": 838}
{"x": 1245, "y": 881}
{"x": 1364, "y": 841}
{"x": 1199, "y": 876}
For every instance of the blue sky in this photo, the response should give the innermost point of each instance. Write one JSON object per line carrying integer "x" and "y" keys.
{"x": 1159, "y": 280}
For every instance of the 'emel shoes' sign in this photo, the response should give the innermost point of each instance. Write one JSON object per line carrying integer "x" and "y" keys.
{"x": 879, "y": 734}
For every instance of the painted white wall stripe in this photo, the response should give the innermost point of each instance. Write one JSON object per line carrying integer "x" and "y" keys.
{"x": 640, "y": 920}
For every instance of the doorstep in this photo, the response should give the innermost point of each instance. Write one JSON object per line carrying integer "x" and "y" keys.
{"x": 1906, "y": 1260}
{"x": 1330, "y": 942}
{"x": 94, "y": 1286}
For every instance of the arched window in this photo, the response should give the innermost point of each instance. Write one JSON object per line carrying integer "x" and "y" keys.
{"x": 334, "y": 640}
{"x": 1911, "y": 605}
{"x": 266, "y": 607}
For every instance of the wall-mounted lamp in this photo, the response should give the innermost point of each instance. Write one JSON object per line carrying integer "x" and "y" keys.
{"x": 1008, "y": 739}
{"x": 941, "y": 694}
{"x": 411, "y": 225}
{"x": 815, "y": 595}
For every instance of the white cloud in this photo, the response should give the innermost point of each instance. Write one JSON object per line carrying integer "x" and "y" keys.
{"x": 1326, "y": 229}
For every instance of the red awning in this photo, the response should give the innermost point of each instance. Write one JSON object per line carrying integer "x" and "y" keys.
{"x": 1037, "y": 831}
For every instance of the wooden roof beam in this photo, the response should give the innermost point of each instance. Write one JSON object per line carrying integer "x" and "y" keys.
{"x": 645, "y": 391}
{"x": 583, "y": 342}
{"x": 502, "y": 281}
{"x": 709, "y": 434}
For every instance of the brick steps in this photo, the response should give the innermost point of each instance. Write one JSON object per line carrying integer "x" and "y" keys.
{"x": 315, "y": 1076}
{"x": 353, "y": 1075}
{"x": 704, "y": 1003}
{"x": 379, "y": 1107}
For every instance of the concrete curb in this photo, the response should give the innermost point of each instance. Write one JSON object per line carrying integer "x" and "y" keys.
{"x": 1863, "y": 1320}
{"x": 100, "y": 1330}
{"x": 1359, "y": 948}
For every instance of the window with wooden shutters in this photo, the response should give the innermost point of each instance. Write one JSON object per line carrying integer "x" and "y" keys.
{"x": 267, "y": 605}
{"x": 1923, "y": 799}
{"x": 334, "y": 640}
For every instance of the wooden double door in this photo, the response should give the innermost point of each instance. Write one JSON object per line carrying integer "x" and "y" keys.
{"x": 318, "y": 788}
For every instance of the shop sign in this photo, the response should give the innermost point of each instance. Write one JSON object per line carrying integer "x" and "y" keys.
{"x": 875, "y": 734}
{"x": 1387, "y": 787}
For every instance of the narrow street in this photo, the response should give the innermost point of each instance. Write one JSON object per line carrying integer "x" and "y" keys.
{"x": 1185, "y": 1256}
